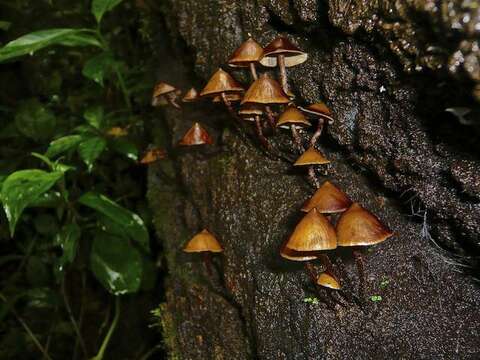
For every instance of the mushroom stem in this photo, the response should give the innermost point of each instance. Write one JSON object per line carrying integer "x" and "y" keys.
{"x": 318, "y": 132}
{"x": 253, "y": 70}
{"x": 313, "y": 177}
{"x": 207, "y": 262}
{"x": 228, "y": 104}
{"x": 258, "y": 128}
{"x": 283, "y": 72}
{"x": 296, "y": 138}
{"x": 361, "y": 272}
{"x": 172, "y": 99}
{"x": 270, "y": 118}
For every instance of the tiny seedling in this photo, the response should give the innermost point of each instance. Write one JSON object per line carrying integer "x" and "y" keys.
{"x": 376, "y": 298}
{"x": 384, "y": 283}
{"x": 311, "y": 300}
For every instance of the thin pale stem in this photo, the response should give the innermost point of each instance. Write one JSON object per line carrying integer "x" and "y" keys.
{"x": 107, "y": 338}
{"x": 172, "y": 99}
{"x": 253, "y": 70}
{"x": 283, "y": 73}
{"x": 317, "y": 133}
{"x": 258, "y": 128}
{"x": 313, "y": 177}
{"x": 296, "y": 138}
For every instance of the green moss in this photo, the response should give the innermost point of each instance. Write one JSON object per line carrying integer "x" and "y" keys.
{"x": 164, "y": 322}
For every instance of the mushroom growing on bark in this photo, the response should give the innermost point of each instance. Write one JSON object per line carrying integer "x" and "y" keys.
{"x": 282, "y": 53}
{"x": 359, "y": 227}
{"x": 253, "y": 112}
{"x": 293, "y": 119}
{"x": 191, "y": 95}
{"x": 321, "y": 111}
{"x": 329, "y": 280}
{"x": 310, "y": 158}
{"x": 246, "y": 55}
{"x": 328, "y": 199}
{"x": 153, "y": 155}
{"x": 196, "y": 135}
{"x": 222, "y": 83}
{"x": 164, "y": 94}
{"x": 265, "y": 91}
{"x": 204, "y": 242}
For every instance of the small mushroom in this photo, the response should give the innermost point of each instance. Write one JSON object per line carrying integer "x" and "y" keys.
{"x": 253, "y": 112}
{"x": 153, "y": 155}
{"x": 265, "y": 91}
{"x": 294, "y": 119}
{"x": 191, "y": 95}
{"x": 329, "y": 280}
{"x": 282, "y": 53}
{"x": 204, "y": 242}
{"x": 310, "y": 158}
{"x": 230, "y": 97}
{"x": 359, "y": 227}
{"x": 222, "y": 83}
{"x": 328, "y": 199}
{"x": 246, "y": 55}
{"x": 321, "y": 111}
{"x": 164, "y": 94}
{"x": 196, "y": 135}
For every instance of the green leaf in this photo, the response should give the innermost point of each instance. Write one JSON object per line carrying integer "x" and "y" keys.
{"x": 126, "y": 148}
{"x": 98, "y": 67}
{"x": 67, "y": 239}
{"x": 63, "y": 144}
{"x": 54, "y": 166}
{"x": 376, "y": 298}
{"x": 116, "y": 264}
{"x": 100, "y": 7}
{"x": 94, "y": 116}
{"x": 91, "y": 149}
{"x": 35, "y": 121}
{"x": 37, "y": 40}
{"x": 130, "y": 222}
{"x": 22, "y": 188}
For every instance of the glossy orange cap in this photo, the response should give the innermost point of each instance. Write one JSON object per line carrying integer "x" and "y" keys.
{"x": 250, "y": 51}
{"x": 196, "y": 135}
{"x": 221, "y": 82}
{"x": 328, "y": 199}
{"x": 265, "y": 90}
{"x": 153, "y": 155}
{"x": 191, "y": 95}
{"x": 326, "y": 279}
{"x": 203, "y": 241}
{"x": 311, "y": 157}
{"x": 292, "y": 116}
{"x": 282, "y": 46}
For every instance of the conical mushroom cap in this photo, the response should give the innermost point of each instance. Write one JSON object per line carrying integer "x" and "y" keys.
{"x": 319, "y": 109}
{"x": 196, "y": 135}
{"x": 292, "y": 116}
{"x": 328, "y": 199}
{"x": 191, "y": 95}
{"x": 313, "y": 233}
{"x": 221, "y": 82}
{"x": 162, "y": 88}
{"x": 328, "y": 280}
{"x": 265, "y": 90}
{"x": 311, "y": 157}
{"x": 203, "y": 241}
{"x": 153, "y": 155}
{"x": 250, "y": 51}
{"x": 251, "y": 109}
{"x": 282, "y": 46}
{"x": 230, "y": 97}
{"x": 359, "y": 227}
{"x": 293, "y": 255}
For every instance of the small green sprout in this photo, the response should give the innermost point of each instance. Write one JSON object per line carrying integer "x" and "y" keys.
{"x": 376, "y": 298}
{"x": 384, "y": 283}
{"x": 311, "y": 300}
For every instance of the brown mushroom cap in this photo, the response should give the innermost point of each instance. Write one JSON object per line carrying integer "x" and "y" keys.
{"x": 265, "y": 90}
{"x": 292, "y": 116}
{"x": 328, "y": 280}
{"x": 203, "y": 241}
{"x": 196, "y": 135}
{"x": 230, "y": 97}
{"x": 293, "y": 255}
{"x": 191, "y": 95}
{"x": 328, "y": 199}
{"x": 319, "y": 108}
{"x": 163, "y": 88}
{"x": 251, "y": 109}
{"x": 153, "y": 155}
{"x": 250, "y": 51}
{"x": 359, "y": 227}
{"x": 282, "y": 46}
{"x": 311, "y": 157}
{"x": 313, "y": 233}
{"x": 221, "y": 82}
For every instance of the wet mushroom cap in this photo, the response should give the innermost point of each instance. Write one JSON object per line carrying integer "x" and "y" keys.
{"x": 313, "y": 233}
{"x": 359, "y": 227}
{"x": 319, "y": 108}
{"x": 221, "y": 82}
{"x": 250, "y": 109}
{"x": 293, "y": 255}
{"x": 163, "y": 88}
{"x": 328, "y": 199}
{"x": 202, "y": 242}
{"x": 328, "y": 280}
{"x": 311, "y": 157}
{"x": 292, "y": 116}
{"x": 153, "y": 155}
{"x": 230, "y": 97}
{"x": 191, "y": 95}
{"x": 196, "y": 135}
{"x": 250, "y": 51}
{"x": 282, "y": 46}
{"x": 265, "y": 90}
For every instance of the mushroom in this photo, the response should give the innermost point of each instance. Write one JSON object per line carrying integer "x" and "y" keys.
{"x": 196, "y": 135}
{"x": 328, "y": 199}
{"x": 293, "y": 118}
{"x": 230, "y": 97}
{"x": 164, "y": 94}
{"x": 204, "y": 242}
{"x": 359, "y": 227}
{"x": 191, "y": 95}
{"x": 246, "y": 55}
{"x": 282, "y": 53}
{"x": 252, "y": 112}
{"x": 329, "y": 280}
{"x": 222, "y": 83}
{"x": 322, "y": 112}
{"x": 153, "y": 155}
{"x": 312, "y": 157}
{"x": 265, "y": 91}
